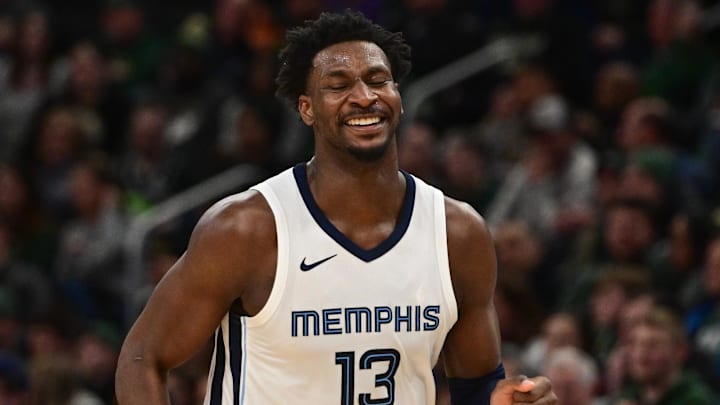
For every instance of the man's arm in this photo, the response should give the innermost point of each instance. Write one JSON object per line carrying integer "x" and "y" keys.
{"x": 471, "y": 354}
{"x": 472, "y": 348}
{"x": 193, "y": 297}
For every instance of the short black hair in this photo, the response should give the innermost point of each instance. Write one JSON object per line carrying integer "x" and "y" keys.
{"x": 305, "y": 41}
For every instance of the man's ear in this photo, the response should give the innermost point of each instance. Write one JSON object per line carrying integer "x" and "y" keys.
{"x": 305, "y": 109}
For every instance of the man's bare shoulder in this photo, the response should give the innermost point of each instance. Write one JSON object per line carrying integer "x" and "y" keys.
{"x": 238, "y": 215}
{"x": 463, "y": 221}
{"x": 471, "y": 252}
{"x": 236, "y": 230}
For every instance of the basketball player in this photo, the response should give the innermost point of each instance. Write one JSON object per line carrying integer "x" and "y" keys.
{"x": 342, "y": 280}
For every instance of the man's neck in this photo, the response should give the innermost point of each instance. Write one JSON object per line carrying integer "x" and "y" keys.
{"x": 357, "y": 192}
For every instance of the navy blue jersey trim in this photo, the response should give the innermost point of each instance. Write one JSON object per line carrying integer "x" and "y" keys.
{"x": 217, "y": 378}
{"x": 367, "y": 255}
{"x": 234, "y": 337}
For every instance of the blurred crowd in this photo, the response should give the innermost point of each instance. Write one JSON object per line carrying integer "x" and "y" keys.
{"x": 594, "y": 162}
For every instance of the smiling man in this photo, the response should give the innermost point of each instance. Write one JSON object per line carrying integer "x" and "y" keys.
{"x": 342, "y": 279}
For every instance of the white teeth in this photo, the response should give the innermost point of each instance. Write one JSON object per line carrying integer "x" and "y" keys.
{"x": 364, "y": 121}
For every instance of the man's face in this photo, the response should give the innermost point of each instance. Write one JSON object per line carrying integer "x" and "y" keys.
{"x": 653, "y": 354}
{"x": 351, "y": 100}
{"x": 712, "y": 268}
{"x": 569, "y": 386}
{"x": 628, "y": 233}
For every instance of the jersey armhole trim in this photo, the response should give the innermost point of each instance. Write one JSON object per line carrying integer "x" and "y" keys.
{"x": 442, "y": 254}
{"x": 281, "y": 267}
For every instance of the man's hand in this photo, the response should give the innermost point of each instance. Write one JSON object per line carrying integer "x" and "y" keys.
{"x": 523, "y": 390}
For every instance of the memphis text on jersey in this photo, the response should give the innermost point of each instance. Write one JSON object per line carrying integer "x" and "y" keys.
{"x": 338, "y": 321}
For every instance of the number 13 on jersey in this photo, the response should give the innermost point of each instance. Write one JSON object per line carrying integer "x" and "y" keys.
{"x": 386, "y": 379}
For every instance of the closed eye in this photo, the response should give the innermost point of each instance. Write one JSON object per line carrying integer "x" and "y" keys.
{"x": 378, "y": 83}
{"x": 337, "y": 86}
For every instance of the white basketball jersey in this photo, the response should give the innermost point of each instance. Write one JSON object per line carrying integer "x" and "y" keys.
{"x": 343, "y": 325}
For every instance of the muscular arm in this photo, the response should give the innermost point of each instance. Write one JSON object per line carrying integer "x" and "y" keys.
{"x": 191, "y": 300}
{"x": 472, "y": 348}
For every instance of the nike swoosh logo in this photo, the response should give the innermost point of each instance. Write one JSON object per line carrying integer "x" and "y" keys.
{"x": 309, "y": 266}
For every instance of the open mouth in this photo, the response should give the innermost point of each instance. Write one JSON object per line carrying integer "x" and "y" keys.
{"x": 364, "y": 121}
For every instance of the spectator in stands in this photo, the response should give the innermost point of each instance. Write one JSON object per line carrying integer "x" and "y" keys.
{"x": 27, "y": 286}
{"x": 101, "y": 111}
{"x": 612, "y": 293}
{"x": 60, "y": 144}
{"x": 574, "y": 376}
{"x": 134, "y": 52}
{"x": 418, "y": 151}
{"x": 464, "y": 172}
{"x": 8, "y": 35}
{"x": 520, "y": 314}
{"x": 26, "y": 79}
{"x": 33, "y": 233}
{"x": 96, "y": 352}
{"x": 625, "y": 238}
{"x": 88, "y": 263}
{"x": 682, "y": 61}
{"x": 628, "y": 232}
{"x": 559, "y": 330}
{"x": 703, "y": 318}
{"x": 615, "y": 367}
{"x": 251, "y": 139}
{"x": 677, "y": 260}
{"x": 500, "y": 132}
{"x": 651, "y": 176}
{"x": 657, "y": 353}
{"x": 145, "y": 166}
{"x": 553, "y": 187}
{"x": 616, "y": 85}
{"x": 13, "y": 380}
{"x": 522, "y": 261}
{"x": 644, "y": 123}
{"x": 55, "y": 380}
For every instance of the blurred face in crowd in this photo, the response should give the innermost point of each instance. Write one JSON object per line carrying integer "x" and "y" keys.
{"x": 463, "y": 164}
{"x": 60, "y": 137}
{"x": 615, "y": 86}
{"x": 672, "y": 19}
{"x": 8, "y": 32}
{"x": 562, "y": 330}
{"x": 86, "y": 190}
{"x": 638, "y": 183}
{"x": 254, "y": 138}
{"x": 633, "y": 133}
{"x": 529, "y": 84}
{"x": 606, "y": 304}
{"x": 517, "y": 248}
{"x": 123, "y": 23}
{"x": 712, "y": 267}
{"x": 147, "y": 131}
{"x": 628, "y": 233}
{"x": 34, "y": 37}
{"x": 632, "y": 311}
{"x": 13, "y": 192}
{"x": 230, "y": 18}
{"x": 87, "y": 68}
{"x": 655, "y": 355}
{"x": 682, "y": 244}
{"x": 96, "y": 358}
{"x": 569, "y": 386}
{"x": 660, "y": 21}
{"x": 417, "y": 150}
